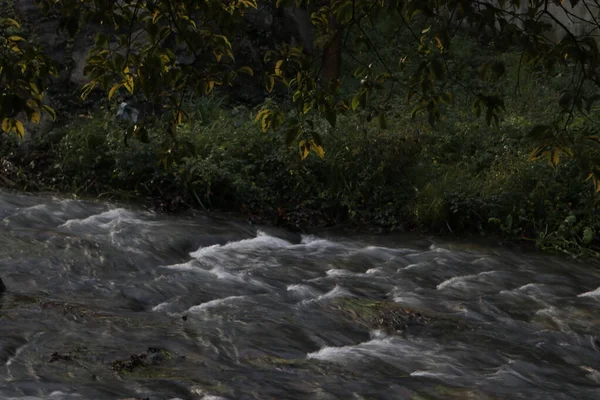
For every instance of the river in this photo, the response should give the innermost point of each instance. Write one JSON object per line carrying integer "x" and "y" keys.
{"x": 110, "y": 302}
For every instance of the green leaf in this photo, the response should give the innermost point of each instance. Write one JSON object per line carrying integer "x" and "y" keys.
{"x": 292, "y": 134}
{"x": 345, "y": 12}
{"x": 588, "y": 235}
{"x": 50, "y": 111}
{"x": 381, "y": 120}
{"x": 594, "y": 139}
{"x": 101, "y": 40}
{"x": 488, "y": 115}
{"x": 541, "y": 132}
{"x": 358, "y": 99}
{"x": 331, "y": 117}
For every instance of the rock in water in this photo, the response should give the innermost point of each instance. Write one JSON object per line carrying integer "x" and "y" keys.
{"x": 2, "y": 287}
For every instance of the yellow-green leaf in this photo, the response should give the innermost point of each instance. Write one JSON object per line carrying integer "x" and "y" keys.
{"x": 87, "y": 88}
{"x": 306, "y": 107}
{"x": 317, "y": 149}
{"x": 50, "y": 111}
{"x": 35, "y": 117}
{"x": 218, "y": 55}
{"x": 269, "y": 83}
{"x": 278, "y": 65}
{"x": 262, "y": 113}
{"x": 11, "y": 22}
{"x": 128, "y": 83}
{"x": 246, "y": 70}
{"x": 553, "y": 157}
{"x": 248, "y": 3}
{"x": 19, "y": 128}
{"x": 209, "y": 86}
{"x": 15, "y": 38}
{"x": 304, "y": 148}
{"x": 113, "y": 90}
{"x": 357, "y": 99}
{"x": 6, "y": 125}
{"x": 536, "y": 153}
{"x": 34, "y": 88}
{"x": 266, "y": 122}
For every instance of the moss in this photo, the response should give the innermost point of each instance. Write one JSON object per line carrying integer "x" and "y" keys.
{"x": 154, "y": 356}
{"x": 392, "y": 318}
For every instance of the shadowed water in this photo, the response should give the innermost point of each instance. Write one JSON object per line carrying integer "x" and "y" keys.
{"x": 217, "y": 309}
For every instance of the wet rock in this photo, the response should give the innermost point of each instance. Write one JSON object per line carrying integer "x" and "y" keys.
{"x": 2, "y": 287}
{"x": 392, "y": 318}
{"x": 153, "y": 356}
{"x": 60, "y": 357}
{"x": 67, "y": 356}
{"x": 135, "y": 361}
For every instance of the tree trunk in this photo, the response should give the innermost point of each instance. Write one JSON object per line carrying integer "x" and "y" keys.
{"x": 332, "y": 53}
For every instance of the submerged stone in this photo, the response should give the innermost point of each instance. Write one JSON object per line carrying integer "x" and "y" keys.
{"x": 153, "y": 356}
{"x": 392, "y": 318}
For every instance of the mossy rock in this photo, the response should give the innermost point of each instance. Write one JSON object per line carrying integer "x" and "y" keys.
{"x": 392, "y": 318}
{"x": 272, "y": 362}
{"x": 154, "y": 356}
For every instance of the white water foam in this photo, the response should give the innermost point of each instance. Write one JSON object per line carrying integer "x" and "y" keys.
{"x": 315, "y": 242}
{"x": 182, "y": 267}
{"x": 337, "y": 291}
{"x": 107, "y": 219}
{"x": 398, "y": 352}
{"x": 213, "y": 303}
{"x": 340, "y": 272}
{"x": 374, "y": 271}
{"x": 463, "y": 280}
{"x": 416, "y": 265}
{"x": 593, "y": 293}
{"x": 261, "y": 241}
{"x": 341, "y": 354}
{"x": 219, "y": 272}
{"x": 161, "y": 306}
{"x": 436, "y": 249}
{"x": 303, "y": 291}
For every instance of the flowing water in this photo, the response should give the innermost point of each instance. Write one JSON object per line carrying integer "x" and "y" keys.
{"x": 105, "y": 302}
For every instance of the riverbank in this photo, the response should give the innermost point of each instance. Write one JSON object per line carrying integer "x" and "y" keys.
{"x": 461, "y": 178}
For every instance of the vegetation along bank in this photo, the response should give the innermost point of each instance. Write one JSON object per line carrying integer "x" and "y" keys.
{"x": 444, "y": 117}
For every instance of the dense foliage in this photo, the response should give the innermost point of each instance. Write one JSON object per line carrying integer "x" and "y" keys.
{"x": 412, "y": 121}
